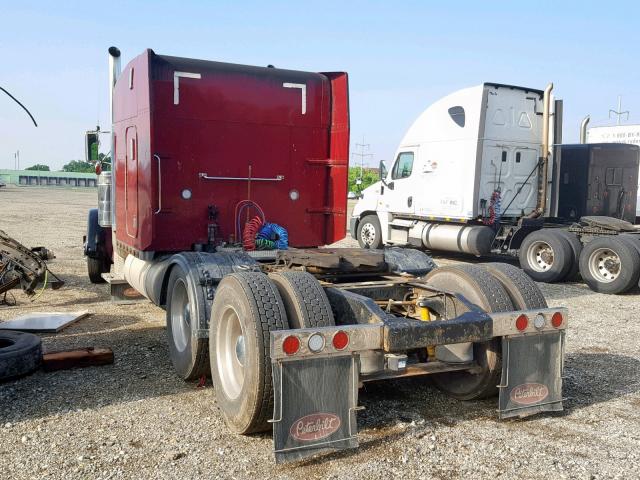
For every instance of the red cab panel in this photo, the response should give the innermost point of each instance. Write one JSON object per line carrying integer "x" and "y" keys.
{"x": 194, "y": 135}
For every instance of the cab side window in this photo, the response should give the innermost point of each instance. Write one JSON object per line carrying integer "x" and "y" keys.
{"x": 403, "y": 166}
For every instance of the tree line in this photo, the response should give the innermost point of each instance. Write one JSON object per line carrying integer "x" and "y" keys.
{"x": 78, "y": 166}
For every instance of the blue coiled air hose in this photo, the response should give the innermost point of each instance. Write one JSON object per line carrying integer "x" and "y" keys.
{"x": 274, "y": 233}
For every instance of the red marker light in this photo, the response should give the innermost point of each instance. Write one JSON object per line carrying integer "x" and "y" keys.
{"x": 291, "y": 345}
{"x": 556, "y": 319}
{"x": 522, "y": 322}
{"x": 340, "y": 340}
{"x": 98, "y": 168}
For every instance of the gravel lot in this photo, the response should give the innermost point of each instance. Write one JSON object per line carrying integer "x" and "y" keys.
{"x": 135, "y": 419}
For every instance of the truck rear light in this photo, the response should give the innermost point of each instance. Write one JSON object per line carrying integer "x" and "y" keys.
{"x": 556, "y": 319}
{"x": 315, "y": 342}
{"x": 539, "y": 321}
{"x": 522, "y": 322}
{"x": 291, "y": 345}
{"x": 340, "y": 340}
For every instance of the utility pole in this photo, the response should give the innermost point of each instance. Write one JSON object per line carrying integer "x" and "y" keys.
{"x": 16, "y": 160}
{"x": 361, "y": 155}
{"x": 619, "y": 112}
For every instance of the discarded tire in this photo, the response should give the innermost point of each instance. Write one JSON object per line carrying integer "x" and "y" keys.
{"x": 523, "y": 292}
{"x": 369, "y": 232}
{"x": 185, "y": 304}
{"x": 305, "y": 301}
{"x": 20, "y": 354}
{"x": 478, "y": 286}
{"x": 610, "y": 264}
{"x": 546, "y": 256}
{"x": 246, "y": 308}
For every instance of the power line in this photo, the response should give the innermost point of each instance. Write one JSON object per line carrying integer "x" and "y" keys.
{"x": 364, "y": 147}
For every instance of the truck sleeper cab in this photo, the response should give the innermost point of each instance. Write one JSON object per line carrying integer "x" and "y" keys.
{"x": 467, "y": 177}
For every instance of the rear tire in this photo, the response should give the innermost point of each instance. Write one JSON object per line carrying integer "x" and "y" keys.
{"x": 246, "y": 308}
{"x": 545, "y": 255}
{"x": 369, "y": 232}
{"x": 576, "y": 249}
{"x": 20, "y": 354}
{"x": 610, "y": 264}
{"x": 523, "y": 292}
{"x": 185, "y": 305}
{"x": 305, "y": 301}
{"x": 478, "y": 286}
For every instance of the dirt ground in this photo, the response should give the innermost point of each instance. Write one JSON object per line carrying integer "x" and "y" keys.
{"x": 136, "y": 419}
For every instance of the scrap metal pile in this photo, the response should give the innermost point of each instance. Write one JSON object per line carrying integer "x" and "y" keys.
{"x": 24, "y": 267}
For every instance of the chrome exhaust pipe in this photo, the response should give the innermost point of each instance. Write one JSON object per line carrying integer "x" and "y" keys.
{"x": 546, "y": 141}
{"x": 583, "y": 129}
{"x": 114, "y": 73}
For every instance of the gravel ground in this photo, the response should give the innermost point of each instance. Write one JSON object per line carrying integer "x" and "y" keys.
{"x": 135, "y": 419}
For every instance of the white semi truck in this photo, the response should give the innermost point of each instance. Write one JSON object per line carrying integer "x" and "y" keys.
{"x": 480, "y": 172}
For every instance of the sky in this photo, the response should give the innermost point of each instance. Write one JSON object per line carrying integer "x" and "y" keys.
{"x": 401, "y": 56}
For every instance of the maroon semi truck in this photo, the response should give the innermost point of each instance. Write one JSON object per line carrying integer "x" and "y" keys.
{"x": 202, "y": 151}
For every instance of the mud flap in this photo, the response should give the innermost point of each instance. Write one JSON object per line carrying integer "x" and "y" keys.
{"x": 531, "y": 374}
{"x": 315, "y": 401}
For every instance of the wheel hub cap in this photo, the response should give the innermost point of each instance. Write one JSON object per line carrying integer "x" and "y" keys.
{"x": 240, "y": 350}
{"x": 368, "y": 234}
{"x": 231, "y": 353}
{"x": 540, "y": 256}
{"x": 604, "y": 265}
{"x": 180, "y": 315}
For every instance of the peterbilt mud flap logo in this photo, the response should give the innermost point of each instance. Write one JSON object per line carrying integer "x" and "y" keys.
{"x": 315, "y": 426}
{"x": 529, "y": 393}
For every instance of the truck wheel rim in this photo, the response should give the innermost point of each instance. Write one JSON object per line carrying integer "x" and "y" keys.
{"x": 230, "y": 353}
{"x": 180, "y": 315}
{"x": 368, "y": 234}
{"x": 540, "y": 256}
{"x": 604, "y": 265}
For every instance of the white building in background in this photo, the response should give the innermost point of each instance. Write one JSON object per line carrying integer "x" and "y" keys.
{"x": 615, "y": 134}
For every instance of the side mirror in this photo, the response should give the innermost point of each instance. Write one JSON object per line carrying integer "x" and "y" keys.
{"x": 91, "y": 146}
{"x": 382, "y": 171}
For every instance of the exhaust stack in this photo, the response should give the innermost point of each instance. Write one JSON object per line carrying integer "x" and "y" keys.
{"x": 583, "y": 129}
{"x": 546, "y": 141}
{"x": 114, "y": 73}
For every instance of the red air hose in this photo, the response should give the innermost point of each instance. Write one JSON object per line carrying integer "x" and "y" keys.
{"x": 251, "y": 229}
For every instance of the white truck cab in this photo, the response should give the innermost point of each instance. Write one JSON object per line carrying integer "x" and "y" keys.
{"x": 468, "y": 160}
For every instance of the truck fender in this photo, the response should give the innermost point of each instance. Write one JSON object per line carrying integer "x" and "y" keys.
{"x": 204, "y": 270}
{"x": 95, "y": 235}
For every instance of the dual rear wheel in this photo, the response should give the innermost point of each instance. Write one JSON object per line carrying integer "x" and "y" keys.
{"x": 246, "y": 308}
{"x": 494, "y": 287}
{"x": 607, "y": 264}
{"x": 249, "y": 305}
